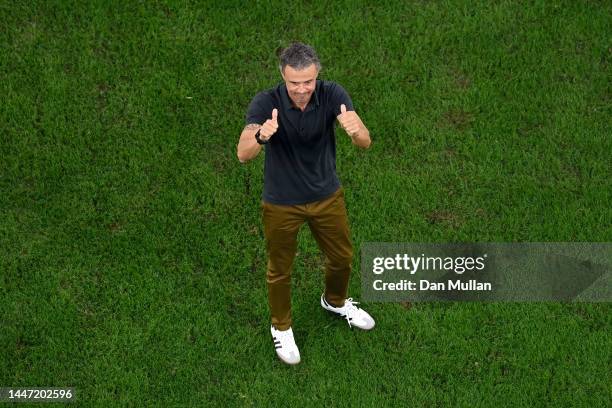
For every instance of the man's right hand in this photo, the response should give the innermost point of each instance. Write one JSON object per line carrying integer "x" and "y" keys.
{"x": 269, "y": 127}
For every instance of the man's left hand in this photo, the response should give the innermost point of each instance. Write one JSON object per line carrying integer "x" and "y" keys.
{"x": 350, "y": 121}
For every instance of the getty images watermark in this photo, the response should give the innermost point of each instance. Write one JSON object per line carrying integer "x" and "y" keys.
{"x": 487, "y": 272}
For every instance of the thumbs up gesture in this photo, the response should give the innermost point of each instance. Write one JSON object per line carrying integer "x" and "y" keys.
{"x": 269, "y": 127}
{"x": 350, "y": 122}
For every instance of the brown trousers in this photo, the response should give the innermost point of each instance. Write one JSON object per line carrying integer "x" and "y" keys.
{"x": 328, "y": 223}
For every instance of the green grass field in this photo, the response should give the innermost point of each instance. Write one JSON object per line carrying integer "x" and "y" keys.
{"x": 132, "y": 261}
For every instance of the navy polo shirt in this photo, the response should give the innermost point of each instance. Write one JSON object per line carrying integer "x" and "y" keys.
{"x": 300, "y": 160}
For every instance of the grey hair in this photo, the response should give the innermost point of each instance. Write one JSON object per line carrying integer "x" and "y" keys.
{"x": 298, "y": 56}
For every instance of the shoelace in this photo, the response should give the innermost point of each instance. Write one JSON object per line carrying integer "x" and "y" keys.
{"x": 350, "y": 308}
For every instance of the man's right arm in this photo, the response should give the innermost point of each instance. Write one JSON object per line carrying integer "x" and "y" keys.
{"x": 248, "y": 148}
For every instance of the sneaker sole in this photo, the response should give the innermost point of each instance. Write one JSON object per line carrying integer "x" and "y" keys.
{"x": 288, "y": 362}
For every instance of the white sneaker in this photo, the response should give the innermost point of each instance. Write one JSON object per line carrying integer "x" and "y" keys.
{"x": 285, "y": 346}
{"x": 354, "y": 316}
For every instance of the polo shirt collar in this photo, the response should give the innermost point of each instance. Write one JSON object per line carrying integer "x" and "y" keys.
{"x": 288, "y": 104}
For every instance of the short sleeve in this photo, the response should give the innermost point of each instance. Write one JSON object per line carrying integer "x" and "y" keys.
{"x": 339, "y": 96}
{"x": 256, "y": 112}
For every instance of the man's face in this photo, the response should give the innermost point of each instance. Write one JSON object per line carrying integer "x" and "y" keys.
{"x": 300, "y": 84}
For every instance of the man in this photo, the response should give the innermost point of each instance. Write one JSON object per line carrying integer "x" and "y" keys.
{"x": 295, "y": 122}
